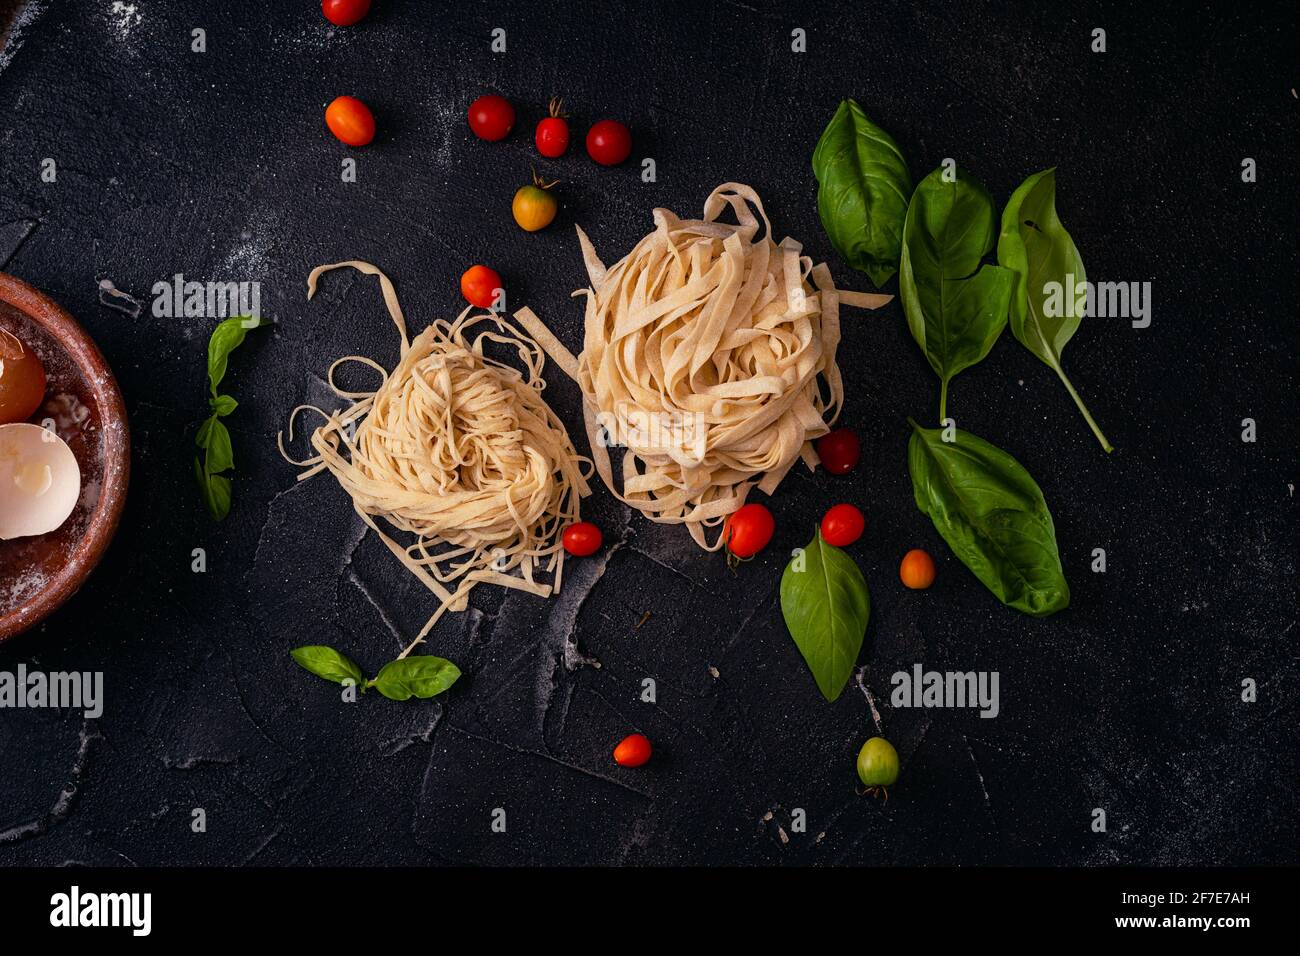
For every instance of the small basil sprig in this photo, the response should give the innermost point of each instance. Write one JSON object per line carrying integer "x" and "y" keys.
{"x": 213, "y": 437}
{"x": 402, "y": 679}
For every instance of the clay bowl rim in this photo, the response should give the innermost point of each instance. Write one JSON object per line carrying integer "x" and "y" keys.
{"x": 94, "y": 368}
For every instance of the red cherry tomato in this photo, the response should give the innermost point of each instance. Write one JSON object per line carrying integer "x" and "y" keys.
{"x": 632, "y": 751}
{"x": 748, "y": 531}
{"x": 842, "y": 525}
{"x": 350, "y": 120}
{"x": 582, "y": 539}
{"x": 491, "y": 117}
{"x": 344, "y": 13}
{"x": 552, "y": 135}
{"x": 609, "y": 142}
{"x": 479, "y": 286}
{"x": 839, "y": 451}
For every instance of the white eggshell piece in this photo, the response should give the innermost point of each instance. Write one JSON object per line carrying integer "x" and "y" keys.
{"x": 40, "y": 481}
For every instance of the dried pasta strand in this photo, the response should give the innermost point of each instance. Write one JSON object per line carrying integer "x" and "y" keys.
{"x": 458, "y": 451}
{"x": 709, "y": 355}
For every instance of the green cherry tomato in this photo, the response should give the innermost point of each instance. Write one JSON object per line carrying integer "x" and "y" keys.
{"x": 877, "y": 763}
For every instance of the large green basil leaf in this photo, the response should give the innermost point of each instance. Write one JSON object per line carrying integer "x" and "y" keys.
{"x": 955, "y": 308}
{"x": 993, "y": 516}
{"x": 826, "y": 606}
{"x": 422, "y": 676}
{"x": 862, "y": 188}
{"x": 1046, "y": 304}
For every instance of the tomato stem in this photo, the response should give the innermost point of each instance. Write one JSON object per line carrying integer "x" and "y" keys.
{"x": 542, "y": 184}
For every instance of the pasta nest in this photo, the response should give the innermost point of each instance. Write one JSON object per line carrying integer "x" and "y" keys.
{"x": 457, "y": 450}
{"x": 709, "y": 356}
{"x": 456, "y": 447}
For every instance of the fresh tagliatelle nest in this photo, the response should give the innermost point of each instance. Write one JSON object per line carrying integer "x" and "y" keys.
{"x": 710, "y": 357}
{"x": 458, "y": 451}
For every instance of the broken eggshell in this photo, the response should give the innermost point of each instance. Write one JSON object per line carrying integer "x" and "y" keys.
{"x": 40, "y": 481}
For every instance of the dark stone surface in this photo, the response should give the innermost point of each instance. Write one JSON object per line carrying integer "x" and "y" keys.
{"x": 217, "y": 165}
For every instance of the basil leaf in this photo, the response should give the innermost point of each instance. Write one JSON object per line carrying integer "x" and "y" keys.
{"x": 862, "y": 189}
{"x": 203, "y": 437}
{"x": 220, "y": 455}
{"x": 1036, "y": 247}
{"x": 328, "y": 663}
{"x": 222, "y": 405}
{"x": 955, "y": 308}
{"x": 422, "y": 676}
{"x": 226, "y": 337}
{"x": 216, "y": 491}
{"x": 826, "y": 605}
{"x": 993, "y": 516}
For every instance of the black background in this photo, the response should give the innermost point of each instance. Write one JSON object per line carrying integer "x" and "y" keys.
{"x": 217, "y": 165}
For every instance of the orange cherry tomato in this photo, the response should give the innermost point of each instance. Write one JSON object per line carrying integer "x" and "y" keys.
{"x": 479, "y": 286}
{"x": 22, "y": 379}
{"x": 748, "y": 531}
{"x": 350, "y": 120}
{"x": 533, "y": 207}
{"x": 917, "y": 570}
{"x": 843, "y": 525}
{"x": 632, "y": 751}
{"x": 582, "y": 539}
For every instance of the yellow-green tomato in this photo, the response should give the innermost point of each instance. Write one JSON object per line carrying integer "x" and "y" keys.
{"x": 534, "y": 208}
{"x": 877, "y": 763}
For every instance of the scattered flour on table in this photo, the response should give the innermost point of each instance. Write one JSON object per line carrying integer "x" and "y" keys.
{"x": 251, "y": 258}
{"x": 248, "y": 257}
{"x": 123, "y": 17}
{"x": 448, "y": 119}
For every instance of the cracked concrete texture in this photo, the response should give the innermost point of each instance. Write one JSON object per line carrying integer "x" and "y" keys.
{"x": 1128, "y": 701}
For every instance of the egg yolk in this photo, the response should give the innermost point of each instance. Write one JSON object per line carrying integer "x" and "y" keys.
{"x": 22, "y": 380}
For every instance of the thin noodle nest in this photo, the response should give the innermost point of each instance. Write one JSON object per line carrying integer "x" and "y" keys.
{"x": 709, "y": 355}
{"x": 460, "y": 452}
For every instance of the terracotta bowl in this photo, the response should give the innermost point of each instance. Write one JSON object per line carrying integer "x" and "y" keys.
{"x": 38, "y": 574}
